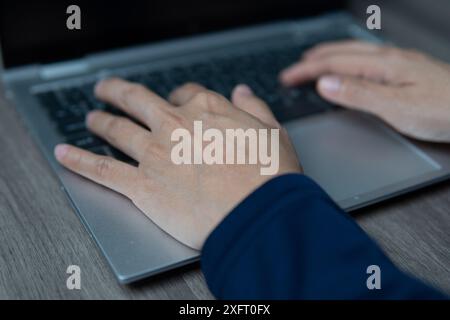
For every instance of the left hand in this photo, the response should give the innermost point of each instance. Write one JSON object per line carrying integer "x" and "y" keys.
{"x": 407, "y": 89}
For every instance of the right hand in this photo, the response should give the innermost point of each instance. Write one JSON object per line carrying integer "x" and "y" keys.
{"x": 407, "y": 89}
{"x": 186, "y": 200}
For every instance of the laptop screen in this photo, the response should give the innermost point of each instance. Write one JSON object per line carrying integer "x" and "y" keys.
{"x": 36, "y": 32}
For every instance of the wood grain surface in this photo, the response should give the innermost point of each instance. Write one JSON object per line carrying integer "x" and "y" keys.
{"x": 40, "y": 235}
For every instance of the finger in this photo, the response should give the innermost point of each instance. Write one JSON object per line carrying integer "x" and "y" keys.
{"x": 357, "y": 94}
{"x": 243, "y": 98}
{"x": 106, "y": 171}
{"x": 121, "y": 132}
{"x": 369, "y": 66}
{"x": 185, "y": 93}
{"x": 341, "y": 47}
{"x": 134, "y": 99}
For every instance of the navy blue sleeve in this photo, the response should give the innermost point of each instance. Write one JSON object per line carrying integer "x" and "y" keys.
{"x": 289, "y": 240}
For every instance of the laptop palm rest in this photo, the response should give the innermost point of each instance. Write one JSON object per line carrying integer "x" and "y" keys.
{"x": 133, "y": 245}
{"x": 351, "y": 154}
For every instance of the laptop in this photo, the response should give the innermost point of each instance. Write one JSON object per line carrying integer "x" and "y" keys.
{"x": 49, "y": 72}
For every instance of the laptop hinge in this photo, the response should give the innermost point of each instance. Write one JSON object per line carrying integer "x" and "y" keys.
{"x": 64, "y": 69}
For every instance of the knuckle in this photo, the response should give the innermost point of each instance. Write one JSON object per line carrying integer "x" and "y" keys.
{"x": 191, "y": 86}
{"x": 113, "y": 126}
{"x": 200, "y": 98}
{"x": 211, "y": 101}
{"x": 157, "y": 150}
{"x": 103, "y": 167}
{"x": 389, "y": 52}
{"x": 179, "y": 92}
{"x": 131, "y": 91}
{"x": 173, "y": 119}
{"x": 215, "y": 101}
{"x": 180, "y": 89}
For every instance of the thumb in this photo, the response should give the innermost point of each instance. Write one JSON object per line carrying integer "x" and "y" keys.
{"x": 244, "y": 98}
{"x": 356, "y": 93}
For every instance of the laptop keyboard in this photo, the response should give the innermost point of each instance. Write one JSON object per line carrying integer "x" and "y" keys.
{"x": 68, "y": 106}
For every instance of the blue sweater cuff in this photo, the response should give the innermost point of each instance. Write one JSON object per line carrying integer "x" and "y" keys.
{"x": 225, "y": 242}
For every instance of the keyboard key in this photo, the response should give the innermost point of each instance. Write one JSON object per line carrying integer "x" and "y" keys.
{"x": 85, "y": 141}
{"x": 100, "y": 150}
{"x": 72, "y": 128}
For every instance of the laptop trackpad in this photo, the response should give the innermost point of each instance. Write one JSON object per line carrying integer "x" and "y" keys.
{"x": 349, "y": 153}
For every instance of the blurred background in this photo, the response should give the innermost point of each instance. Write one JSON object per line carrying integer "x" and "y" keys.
{"x": 421, "y": 24}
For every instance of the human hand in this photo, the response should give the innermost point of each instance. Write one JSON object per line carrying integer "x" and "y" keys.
{"x": 187, "y": 201}
{"x": 405, "y": 88}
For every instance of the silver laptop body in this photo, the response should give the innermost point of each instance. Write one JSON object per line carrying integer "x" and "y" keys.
{"x": 353, "y": 156}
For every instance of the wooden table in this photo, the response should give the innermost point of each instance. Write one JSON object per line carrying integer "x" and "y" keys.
{"x": 40, "y": 235}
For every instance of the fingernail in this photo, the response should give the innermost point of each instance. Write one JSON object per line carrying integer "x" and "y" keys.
{"x": 61, "y": 150}
{"x": 330, "y": 84}
{"x": 309, "y": 53}
{"x": 98, "y": 85}
{"x": 243, "y": 90}
{"x": 286, "y": 75}
{"x": 90, "y": 116}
